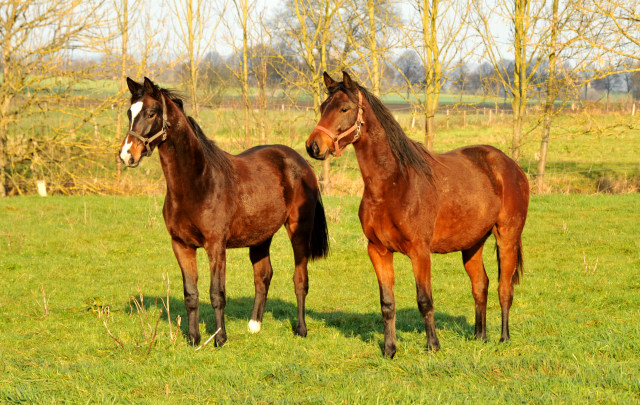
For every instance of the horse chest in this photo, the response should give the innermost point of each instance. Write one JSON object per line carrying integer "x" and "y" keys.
{"x": 182, "y": 226}
{"x": 381, "y": 229}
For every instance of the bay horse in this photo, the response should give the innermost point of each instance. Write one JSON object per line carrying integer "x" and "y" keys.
{"x": 417, "y": 203}
{"x": 217, "y": 201}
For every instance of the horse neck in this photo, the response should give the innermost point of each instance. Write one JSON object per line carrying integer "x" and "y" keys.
{"x": 378, "y": 164}
{"x": 181, "y": 156}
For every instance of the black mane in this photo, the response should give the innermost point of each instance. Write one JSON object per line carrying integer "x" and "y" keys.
{"x": 408, "y": 152}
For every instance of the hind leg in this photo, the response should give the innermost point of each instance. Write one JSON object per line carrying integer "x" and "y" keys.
{"x": 300, "y": 235}
{"x": 262, "y": 273}
{"x": 508, "y": 252}
{"x": 474, "y": 266}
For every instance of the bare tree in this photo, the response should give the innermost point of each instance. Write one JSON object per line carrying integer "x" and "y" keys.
{"x": 303, "y": 33}
{"x": 366, "y": 37}
{"x": 196, "y": 24}
{"x": 438, "y": 42}
{"x": 36, "y": 39}
{"x": 528, "y": 38}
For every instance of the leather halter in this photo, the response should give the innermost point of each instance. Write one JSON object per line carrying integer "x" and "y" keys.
{"x": 162, "y": 133}
{"x": 356, "y": 127}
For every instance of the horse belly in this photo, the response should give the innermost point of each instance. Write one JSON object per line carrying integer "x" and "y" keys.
{"x": 462, "y": 226}
{"x": 255, "y": 224}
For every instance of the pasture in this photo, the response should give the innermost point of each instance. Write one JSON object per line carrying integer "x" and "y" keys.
{"x": 70, "y": 265}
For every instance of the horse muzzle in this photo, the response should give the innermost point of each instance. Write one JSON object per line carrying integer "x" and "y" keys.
{"x": 313, "y": 149}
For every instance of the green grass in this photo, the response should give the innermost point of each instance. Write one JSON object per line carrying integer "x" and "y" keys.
{"x": 574, "y": 323}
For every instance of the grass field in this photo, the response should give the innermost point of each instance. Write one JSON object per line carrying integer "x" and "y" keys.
{"x": 69, "y": 264}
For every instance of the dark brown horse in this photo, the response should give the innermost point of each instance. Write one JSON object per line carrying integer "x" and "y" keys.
{"x": 419, "y": 203}
{"x": 218, "y": 201}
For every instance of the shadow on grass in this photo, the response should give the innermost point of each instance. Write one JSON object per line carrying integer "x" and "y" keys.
{"x": 364, "y": 326}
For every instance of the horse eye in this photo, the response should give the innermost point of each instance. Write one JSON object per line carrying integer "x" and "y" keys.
{"x": 344, "y": 109}
{"x": 152, "y": 114}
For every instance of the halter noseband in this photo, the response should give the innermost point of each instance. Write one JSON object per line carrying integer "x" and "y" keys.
{"x": 162, "y": 133}
{"x": 356, "y": 127}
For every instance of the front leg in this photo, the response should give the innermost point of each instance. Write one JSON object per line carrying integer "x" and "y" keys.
{"x": 217, "y": 291}
{"x": 382, "y": 261}
{"x": 186, "y": 256}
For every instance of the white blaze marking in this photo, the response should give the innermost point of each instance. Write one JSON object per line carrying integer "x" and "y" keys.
{"x": 135, "y": 110}
{"x": 254, "y": 326}
{"x": 124, "y": 152}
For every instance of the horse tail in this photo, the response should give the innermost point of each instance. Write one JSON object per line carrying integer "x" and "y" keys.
{"x": 515, "y": 279}
{"x": 319, "y": 234}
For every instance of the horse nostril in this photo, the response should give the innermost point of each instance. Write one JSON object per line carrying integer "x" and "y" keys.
{"x": 311, "y": 149}
{"x": 316, "y": 148}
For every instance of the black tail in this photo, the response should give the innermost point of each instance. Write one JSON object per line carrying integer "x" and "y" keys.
{"x": 519, "y": 264}
{"x": 319, "y": 234}
{"x": 515, "y": 279}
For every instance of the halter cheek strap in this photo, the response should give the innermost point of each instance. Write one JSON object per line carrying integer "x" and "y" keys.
{"x": 162, "y": 133}
{"x": 355, "y": 127}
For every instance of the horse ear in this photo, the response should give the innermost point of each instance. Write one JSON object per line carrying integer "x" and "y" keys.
{"x": 133, "y": 85}
{"x": 328, "y": 81}
{"x": 149, "y": 87}
{"x": 346, "y": 80}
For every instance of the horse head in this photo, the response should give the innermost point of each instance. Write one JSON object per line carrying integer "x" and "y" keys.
{"x": 340, "y": 121}
{"x": 147, "y": 122}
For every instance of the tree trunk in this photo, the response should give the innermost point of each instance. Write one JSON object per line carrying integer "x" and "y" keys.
{"x": 124, "y": 31}
{"x": 4, "y": 113}
{"x": 245, "y": 73}
{"x": 373, "y": 49}
{"x": 519, "y": 77}
{"x": 324, "y": 39}
{"x": 548, "y": 105}
{"x": 433, "y": 69}
{"x": 3, "y": 160}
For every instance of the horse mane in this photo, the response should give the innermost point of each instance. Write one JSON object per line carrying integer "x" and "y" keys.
{"x": 408, "y": 152}
{"x": 212, "y": 153}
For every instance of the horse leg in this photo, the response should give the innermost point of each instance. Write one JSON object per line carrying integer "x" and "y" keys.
{"x": 474, "y": 266}
{"x": 300, "y": 235}
{"x": 383, "y": 265}
{"x": 262, "y": 272}
{"x": 218, "y": 263}
{"x": 186, "y": 256}
{"x": 422, "y": 272}
{"x": 507, "y": 261}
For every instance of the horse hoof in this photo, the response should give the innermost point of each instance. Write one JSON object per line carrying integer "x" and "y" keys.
{"x": 194, "y": 340}
{"x": 301, "y": 331}
{"x": 221, "y": 338}
{"x": 390, "y": 351}
{"x": 434, "y": 346}
{"x": 255, "y": 326}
